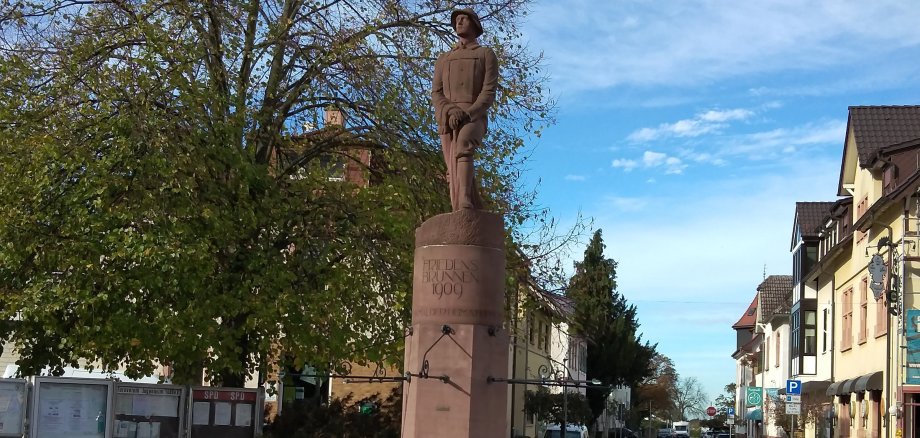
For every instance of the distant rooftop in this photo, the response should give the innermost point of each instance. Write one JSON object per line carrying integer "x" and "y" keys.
{"x": 773, "y": 292}
{"x": 810, "y": 216}
{"x": 749, "y": 317}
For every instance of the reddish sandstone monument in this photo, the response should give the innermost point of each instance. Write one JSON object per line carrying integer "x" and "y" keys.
{"x": 457, "y": 337}
{"x": 457, "y": 341}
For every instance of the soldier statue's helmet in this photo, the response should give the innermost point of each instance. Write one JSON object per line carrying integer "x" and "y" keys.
{"x": 473, "y": 18}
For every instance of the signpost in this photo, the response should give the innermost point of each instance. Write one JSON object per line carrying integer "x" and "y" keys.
{"x": 793, "y": 387}
{"x": 793, "y": 400}
{"x": 711, "y": 411}
{"x": 754, "y": 396}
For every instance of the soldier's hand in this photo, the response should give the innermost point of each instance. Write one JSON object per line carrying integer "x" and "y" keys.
{"x": 457, "y": 118}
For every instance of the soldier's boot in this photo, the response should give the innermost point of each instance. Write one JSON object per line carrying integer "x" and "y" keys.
{"x": 467, "y": 194}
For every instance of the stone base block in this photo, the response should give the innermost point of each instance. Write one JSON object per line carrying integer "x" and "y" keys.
{"x": 466, "y": 405}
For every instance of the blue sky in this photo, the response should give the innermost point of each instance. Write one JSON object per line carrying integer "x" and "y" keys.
{"x": 688, "y": 129}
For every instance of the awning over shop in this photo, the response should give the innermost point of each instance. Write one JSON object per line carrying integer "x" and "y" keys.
{"x": 868, "y": 382}
{"x": 815, "y": 387}
{"x": 756, "y": 415}
{"x": 847, "y": 387}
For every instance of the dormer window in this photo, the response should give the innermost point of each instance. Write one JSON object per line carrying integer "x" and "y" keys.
{"x": 889, "y": 179}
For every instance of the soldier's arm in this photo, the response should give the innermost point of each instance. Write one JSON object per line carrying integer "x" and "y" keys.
{"x": 442, "y": 105}
{"x": 486, "y": 97}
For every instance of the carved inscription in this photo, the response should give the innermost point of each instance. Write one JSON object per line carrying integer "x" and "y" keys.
{"x": 448, "y": 277}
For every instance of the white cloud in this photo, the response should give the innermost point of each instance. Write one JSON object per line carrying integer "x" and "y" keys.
{"x": 652, "y": 159}
{"x": 725, "y": 116}
{"x": 674, "y": 165}
{"x": 575, "y": 178}
{"x": 696, "y": 41}
{"x": 774, "y": 144}
{"x": 626, "y": 165}
{"x": 704, "y": 123}
{"x": 780, "y": 142}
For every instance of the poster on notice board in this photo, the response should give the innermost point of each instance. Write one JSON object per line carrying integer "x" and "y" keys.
{"x": 12, "y": 407}
{"x": 225, "y": 412}
{"x": 75, "y": 408}
{"x": 148, "y": 410}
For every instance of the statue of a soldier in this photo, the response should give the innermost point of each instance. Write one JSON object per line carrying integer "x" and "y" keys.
{"x": 463, "y": 89}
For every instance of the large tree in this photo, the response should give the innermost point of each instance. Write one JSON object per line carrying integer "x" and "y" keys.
{"x": 171, "y": 195}
{"x": 617, "y": 355}
{"x": 656, "y": 392}
{"x": 689, "y": 398}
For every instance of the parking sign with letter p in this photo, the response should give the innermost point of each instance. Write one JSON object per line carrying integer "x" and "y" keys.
{"x": 793, "y": 387}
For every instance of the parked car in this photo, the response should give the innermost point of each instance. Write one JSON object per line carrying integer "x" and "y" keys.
{"x": 571, "y": 431}
{"x": 665, "y": 433}
{"x": 723, "y": 435}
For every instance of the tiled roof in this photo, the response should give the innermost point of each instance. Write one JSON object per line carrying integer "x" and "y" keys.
{"x": 749, "y": 318}
{"x": 876, "y": 127}
{"x": 811, "y": 215}
{"x": 562, "y": 303}
{"x": 774, "y": 293}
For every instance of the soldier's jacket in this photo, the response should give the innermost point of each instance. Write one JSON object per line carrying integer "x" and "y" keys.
{"x": 466, "y": 77}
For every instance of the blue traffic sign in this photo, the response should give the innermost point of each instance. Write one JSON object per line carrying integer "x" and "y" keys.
{"x": 731, "y": 411}
{"x": 793, "y": 387}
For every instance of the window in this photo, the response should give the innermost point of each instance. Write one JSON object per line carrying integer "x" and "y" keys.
{"x": 811, "y": 329}
{"x": 825, "y": 315}
{"x": 811, "y": 257}
{"x": 531, "y": 332}
{"x": 863, "y": 309}
{"x": 764, "y": 352}
{"x": 546, "y": 336}
{"x": 794, "y": 334}
{"x": 846, "y": 329}
{"x": 541, "y": 341}
{"x": 862, "y": 207}
{"x": 777, "y": 351}
{"x": 583, "y": 358}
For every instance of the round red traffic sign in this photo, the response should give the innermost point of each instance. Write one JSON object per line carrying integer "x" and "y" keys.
{"x": 711, "y": 411}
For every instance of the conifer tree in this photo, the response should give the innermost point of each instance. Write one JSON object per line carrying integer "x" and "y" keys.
{"x": 617, "y": 354}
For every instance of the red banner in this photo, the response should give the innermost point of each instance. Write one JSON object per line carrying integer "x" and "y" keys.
{"x": 232, "y": 395}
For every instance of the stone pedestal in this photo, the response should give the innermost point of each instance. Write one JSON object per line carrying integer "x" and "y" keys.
{"x": 457, "y": 337}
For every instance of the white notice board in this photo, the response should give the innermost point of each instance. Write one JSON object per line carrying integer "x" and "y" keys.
{"x": 75, "y": 408}
{"x": 145, "y": 410}
{"x": 12, "y": 407}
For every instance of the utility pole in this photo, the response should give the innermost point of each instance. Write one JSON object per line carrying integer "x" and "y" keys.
{"x": 650, "y": 419}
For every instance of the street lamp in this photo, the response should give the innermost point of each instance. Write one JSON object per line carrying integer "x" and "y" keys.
{"x": 563, "y": 431}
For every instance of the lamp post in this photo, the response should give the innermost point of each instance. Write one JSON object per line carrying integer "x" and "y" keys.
{"x": 563, "y": 431}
